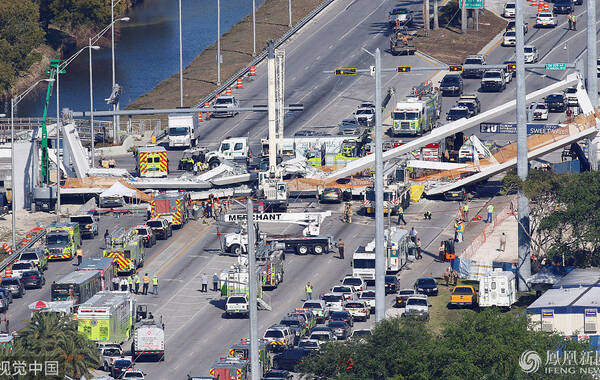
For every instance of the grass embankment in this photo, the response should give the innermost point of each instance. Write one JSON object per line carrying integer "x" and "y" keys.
{"x": 440, "y": 314}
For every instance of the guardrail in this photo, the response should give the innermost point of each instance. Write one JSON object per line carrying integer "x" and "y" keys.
{"x": 263, "y": 54}
{"x": 18, "y": 252}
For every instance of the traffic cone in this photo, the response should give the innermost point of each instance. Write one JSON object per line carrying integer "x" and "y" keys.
{"x": 546, "y": 7}
{"x": 252, "y": 70}
{"x": 200, "y": 117}
{"x": 207, "y": 105}
{"x": 239, "y": 83}
{"x": 228, "y": 91}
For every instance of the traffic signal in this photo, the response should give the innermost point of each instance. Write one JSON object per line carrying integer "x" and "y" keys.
{"x": 455, "y": 68}
{"x": 403, "y": 69}
{"x": 511, "y": 67}
{"x": 347, "y": 71}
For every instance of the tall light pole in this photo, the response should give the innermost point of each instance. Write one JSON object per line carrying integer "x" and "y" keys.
{"x": 252, "y": 293}
{"x": 180, "y": 61}
{"x": 592, "y": 79}
{"x": 92, "y": 41}
{"x": 60, "y": 67}
{"x": 218, "y": 42}
{"x": 379, "y": 249}
{"x": 254, "y": 28}
{"x": 112, "y": 46}
{"x": 524, "y": 263}
{"x": 290, "y": 13}
{"x": 13, "y": 103}
{"x": 90, "y": 46}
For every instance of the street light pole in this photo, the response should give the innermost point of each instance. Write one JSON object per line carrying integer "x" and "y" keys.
{"x": 254, "y": 28}
{"x": 218, "y": 42}
{"x": 379, "y": 252}
{"x": 91, "y": 101}
{"x": 112, "y": 46}
{"x": 592, "y": 79}
{"x": 180, "y": 61}
{"x": 524, "y": 263}
{"x": 12, "y": 173}
{"x": 253, "y": 293}
{"x": 290, "y": 13}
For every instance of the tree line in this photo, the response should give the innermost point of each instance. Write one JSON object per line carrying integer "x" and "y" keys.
{"x": 27, "y": 25}
{"x": 485, "y": 345}
{"x": 564, "y": 215}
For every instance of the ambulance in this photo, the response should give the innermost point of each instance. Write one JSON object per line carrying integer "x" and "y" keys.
{"x": 152, "y": 162}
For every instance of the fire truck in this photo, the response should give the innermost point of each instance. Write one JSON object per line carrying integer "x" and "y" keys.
{"x": 126, "y": 248}
{"x": 231, "y": 368}
{"x": 241, "y": 350}
{"x": 172, "y": 207}
{"x": 394, "y": 196}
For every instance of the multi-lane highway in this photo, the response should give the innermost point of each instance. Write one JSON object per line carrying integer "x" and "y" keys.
{"x": 197, "y": 334}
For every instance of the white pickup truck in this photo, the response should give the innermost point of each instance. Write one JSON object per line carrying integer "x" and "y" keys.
{"x": 237, "y": 304}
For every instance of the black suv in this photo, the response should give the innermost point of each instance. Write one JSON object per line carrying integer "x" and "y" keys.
{"x": 426, "y": 285}
{"x": 475, "y": 59}
{"x": 556, "y": 103}
{"x": 451, "y": 85}
{"x": 563, "y": 6}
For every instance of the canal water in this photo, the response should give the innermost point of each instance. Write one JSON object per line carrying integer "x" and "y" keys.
{"x": 146, "y": 53}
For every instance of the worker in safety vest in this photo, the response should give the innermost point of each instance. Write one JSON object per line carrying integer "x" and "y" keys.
{"x": 490, "y": 214}
{"x": 146, "y": 283}
{"x": 136, "y": 281}
{"x": 460, "y": 230}
{"x": 79, "y": 256}
{"x": 347, "y": 151}
{"x": 155, "y": 285}
{"x": 130, "y": 282}
{"x": 348, "y": 213}
{"x": 466, "y": 211}
{"x": 308, "y": 290}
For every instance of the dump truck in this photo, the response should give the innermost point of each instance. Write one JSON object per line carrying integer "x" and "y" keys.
{"x": 172, "y": 207}
{"x": 62, "y": 241}
{"x": 108, "y": 317}
{"x": 152, "y": 162}
{"x": 401, "y": 44}
{"x": 149, "y": 339}
{"x": 183, "y": 130}
{"x": 126, "y": 248}
{"x": 418, "y": 113}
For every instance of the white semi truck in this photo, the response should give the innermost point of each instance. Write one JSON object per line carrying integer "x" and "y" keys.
{"x": 183, "y": 130}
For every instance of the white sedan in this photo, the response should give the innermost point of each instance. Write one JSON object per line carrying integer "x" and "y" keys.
{"x": 531, "y": 54}
{"x": 545, "y": 19}
{"x": 539, "y": 111}
{"x": 510, "y": 38}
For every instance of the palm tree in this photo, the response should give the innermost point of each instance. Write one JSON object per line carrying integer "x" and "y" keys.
{"x": 55, "y": 336}
{"x": 77, "y": 355}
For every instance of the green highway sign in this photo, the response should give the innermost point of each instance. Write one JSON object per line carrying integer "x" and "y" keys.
{"x": 471, "y": 4}
{"x": 556, "y": 66}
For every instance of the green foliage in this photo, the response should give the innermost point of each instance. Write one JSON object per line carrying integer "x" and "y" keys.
{"x": 480, "y": 345}
{"x": 71, "y": 15}
{"x": 20, "y": 35}
{"x": 55, "y": 336}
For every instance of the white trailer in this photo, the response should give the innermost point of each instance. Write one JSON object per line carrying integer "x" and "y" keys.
{"x": 498, "y": 288}
{"x": 183, "y": 130}
{"x": 149, "y": 340}
{"x": 396, "y": 255}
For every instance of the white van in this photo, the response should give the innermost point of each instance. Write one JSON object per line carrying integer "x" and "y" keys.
{"x": 498, "y": 288}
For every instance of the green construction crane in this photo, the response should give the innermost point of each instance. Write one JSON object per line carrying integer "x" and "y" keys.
{"x": 45, "y": 174}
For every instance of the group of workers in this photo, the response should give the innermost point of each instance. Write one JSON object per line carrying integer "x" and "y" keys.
{"x": 132, "y": 284}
